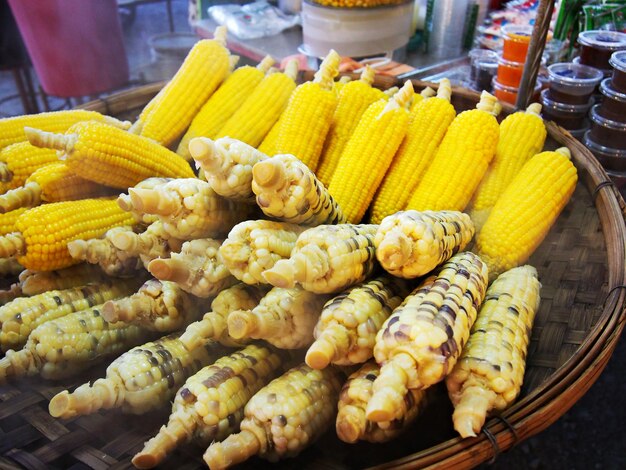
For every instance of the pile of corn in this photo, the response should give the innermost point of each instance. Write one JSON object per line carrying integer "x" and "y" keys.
{"x": 265, "y": 279}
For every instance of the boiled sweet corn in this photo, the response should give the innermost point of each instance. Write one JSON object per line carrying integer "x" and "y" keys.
{"x": 19, "y": 161}
{"x": 126, "y": 203}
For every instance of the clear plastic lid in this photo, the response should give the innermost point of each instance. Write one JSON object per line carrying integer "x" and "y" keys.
{"x": 564, "y": 107}
{"x": 606, "y": 72}
{"x": 497, "y": 85}
{"x": 604, "y": 122}
{"x": 618, "y": 61}
{"x": 510, "y": 63}
{"x": 517, "y": 32}
{"x": 574, "y": 75}
{"x": 601, "y": 149}
{"x": 607, "y": 90}
{"x": 483, "y": 55}
{"x": 611, "y": 40}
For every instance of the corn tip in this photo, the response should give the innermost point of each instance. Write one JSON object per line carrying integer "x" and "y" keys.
{"x": 445, "y": 90}
{"x": 268, "y": 173}
{"x": 281, "y": 275}
{"x": 534, "y": 108}
{"x": 241, "y": 324}
{"x": 320, "y": 354}
{"x": 59, "y": 404}
{"x": 349, "y": 426}
{"x": 145, "y": 460}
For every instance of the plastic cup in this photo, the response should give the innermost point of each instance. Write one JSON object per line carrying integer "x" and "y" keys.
{"x": 610, "y": 158}
{"x": 613, "y": 102}
{"x": 572, "y": 83}
{"x": 569, "y": 116}
{"x": 606, "y": 132}
{"x": 516, "y": 39}
{"x": 597, "y": 46}
{"x": 509, "y": 72}
{"x": 483, "y": 66}
{"x": 618, "y": 62}
{"x": 508, "y": 94}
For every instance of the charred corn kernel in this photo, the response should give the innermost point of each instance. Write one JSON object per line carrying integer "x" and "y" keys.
{"x": 20, "y": 317}
{"x": 19, "y": 161}
{"x": 126, "y": 203}
{"x": 353, "y": 99}
{"x": 254, "y": 246}
{"x": 339, "y": 84}
{"x": 522, "y": 136}
{"x": 140, "y": 380}
{"x": 258, "y": 113}
{"x": 368, "y": 154}
{"x": 43, "y": 232}
{"x": 346, "y": 331}
{"x": 286, "y": 189}
{"x": 203, "y": 70}
{"x": 51, "y": 183}
{"x": 327, "y": 259}
{"x": 226, "y": 100}
{"x": 11, "y": 293}
{"x": 410, "y": 244}
{"x": 213, "y": 324}
{"x": 489, "y": 374}
{"x": 66, "y": 346}
{"x": 197, "y": 269}
{"x": 12, "y": 129}
{"x": 10, "y": 267}
{"x": 422, "y": 339}
{"x": 227, "y": 164}
{"x": 110, "y": 156}
{"x": 158, "y": 305}
{"x": 461, "y": 159}
{"x": 8, "y": 219}
{"x": 210, "y": 405}
{"x": 282, "y": 418}
{"x": 526, "y": 210}
{"x": 352, "y": 425}
{"x": 268, "y": 146}
{"x": 428, "y": 122}
{"x": 284, "y": 318}
{"x": 35, "y": 282}
{"x": 188, "y": 208}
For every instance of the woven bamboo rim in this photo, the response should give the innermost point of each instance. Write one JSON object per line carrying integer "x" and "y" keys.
{"x": 539, "y": 407}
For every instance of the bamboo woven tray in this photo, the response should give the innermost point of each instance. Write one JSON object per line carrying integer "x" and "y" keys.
{"x": 581, "y": 265}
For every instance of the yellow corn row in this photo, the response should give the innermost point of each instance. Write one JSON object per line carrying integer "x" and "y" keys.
{"x": 226, "y": 100}
{"x": 283, "y": 418}
{"x": 461, "y": 160}
{"x": 522, "y": 136}
{"x": 227, "y": 164}
{"x": 327, "y": 259}
{"x": 256, "y": 116}
{"x": 352, "y": 425}
{"x": 526, "y": 210}
{"x": 145, "y": 378}
{"x": 197, "y": 269}
{"x": 110, "y": 156}
{"x": 19, "y": 161}
{"x": 346, "y": 331}
{"x": 35, "y": 282}
{"x": 8, "y": 219}
{"x": 214, "y": 323}
{"x": 353, "y": 99}
{"x": 339, "y": 84}
{"x": 254, "y": 246}
{"x": 427, "y": 92}
{"x": 429, "y": 120}
{"x": 68, "y": 345}
{"x": 12, "y": 129}
{"x": 410, "y": 244}
{"x": 268, "y": 146}
{"x": 158, "y": 305}
{"x": 210, "y": 405}
{"x": 126, "y": 203}
{"x": 286, "y": 189}
{"x": 284, "y": 318}
{"x": 9, "y": 267}
{"x": 369, "y": 152}
{"x": 489, "y": 374}
{"x": 422, "y": 339}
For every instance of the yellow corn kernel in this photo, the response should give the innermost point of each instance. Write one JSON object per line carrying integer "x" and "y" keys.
{"x": 8, "y": 219}
{"x": 268, "y": 146}
{"x": 339, "y": 84}
{"x": 19, "y": 161}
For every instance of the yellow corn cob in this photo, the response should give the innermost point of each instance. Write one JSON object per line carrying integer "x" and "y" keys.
{"x": 126, "y": 204}
{"x": 140, "y": 380}
{"x": 9, "y": 267}
{"x": 110, "y": 156}
{"x": 135, "y": 128}
{"x": 258, "y": 113}
{"x": 352, "y": 425}
{"x": 8, "y": 295}
{"x": 461, "y": 159}
{"x": 42, "y": 233}
{"x": 522, "y": 136}
{"x": 158, "y": 305}
{"x": 35, "y": 282}
{"x": 19, "y": 161}
{"x": 283, "y": 418}
{"x": 12, "y": 129}
{"x": 339, "y": 84}
{"x": 66, "y": 346}
{"x": 489, "y": 374}
{"x": 427, "y": 92}
{"x": 286, "y": 189}
{"x": 51, "y": 183}
{"x": 213, "y": 324}
{"x": 226, "y": 100}
{"x": 227, "y": 164}
{"x": 197, "y": 269}
{"x": 410, "y": 244}
{"x": 256, "y": 245}
{"x": 268, "y": 146}
{"x": 526, "y": 210}
{"x": 188, "y": 208}
{"x": 8, "y": 219}
{"x": 369, "y": 152}
{"x": 20, "y": 317}
{"x": 428, "y": 122}
{"x": 307, "y": 118}
{"x": 327, "y": 259}
{"x": 422, "y": 339}
{"x": 210, "y": 405}
{"x": 203, "y": 70}
{"x": 284, "y": 318}
{"x": 353, "y": 99}
{"x": 346, "y": 331}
